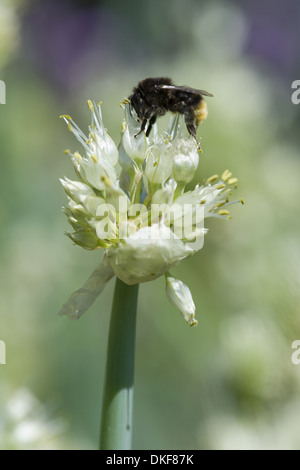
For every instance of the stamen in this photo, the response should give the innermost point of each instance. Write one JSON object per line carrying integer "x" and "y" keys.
{"x": 105, "y": 180}
{"x": 90, "y": 105}
{"x": 232, "y": 181}
{"x": 212, "y": 178}
{"x": 66, "y": 116}
{"x": 226, "y": 175}
{"x": 223, "y": 212}
{"x": 78, "y": 156}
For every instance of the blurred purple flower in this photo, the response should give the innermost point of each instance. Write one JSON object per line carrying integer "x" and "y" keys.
{"x": 274, "y": 33}
{"x": 69, "y": 43}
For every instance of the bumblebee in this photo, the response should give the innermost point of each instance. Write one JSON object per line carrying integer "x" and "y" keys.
{"x": 153, "y": 97}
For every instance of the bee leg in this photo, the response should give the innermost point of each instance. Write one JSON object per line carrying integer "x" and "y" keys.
{"x": 192, "y": 130}
{"x": 142, "y": 128}
{"x": 151, "y": 122}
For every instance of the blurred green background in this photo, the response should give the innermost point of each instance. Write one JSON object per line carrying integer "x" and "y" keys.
{"x": 230, "y": 383}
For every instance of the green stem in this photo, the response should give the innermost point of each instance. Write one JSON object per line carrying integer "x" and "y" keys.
{"x": 117, "y": 407}
{"x": 179, "y": 189}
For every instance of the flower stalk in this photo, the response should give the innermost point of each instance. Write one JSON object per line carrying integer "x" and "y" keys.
{"x": 117, "y": 407}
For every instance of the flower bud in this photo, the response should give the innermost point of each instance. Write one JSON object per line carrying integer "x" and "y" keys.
{"x": 186, "y": 162}
{"x": 76, "y": 190}
{"x": 159, "y": 162}
{"x": 147, "y": 254}
{"x": 135, "y": 147}
{"x": 180, "y": 296}
{"x": 85, "y": 238}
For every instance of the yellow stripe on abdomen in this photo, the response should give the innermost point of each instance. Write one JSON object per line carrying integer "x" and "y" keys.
{"x": 201, "y": 112}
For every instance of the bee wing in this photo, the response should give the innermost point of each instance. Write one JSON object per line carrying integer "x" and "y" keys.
{"x": 185, "y": 89}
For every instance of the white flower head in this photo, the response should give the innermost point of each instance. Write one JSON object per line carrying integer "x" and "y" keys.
{"x": 132, "y": 203}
